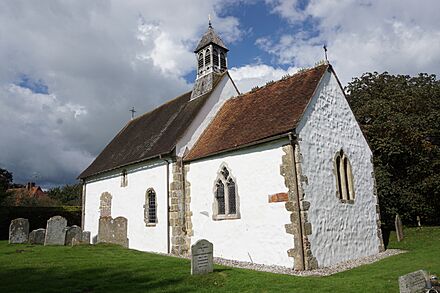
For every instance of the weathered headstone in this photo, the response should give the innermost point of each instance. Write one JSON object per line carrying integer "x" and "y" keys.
{"x": 113, "y": 230}
{"x": 73, "y": 233}
{"x": 399, "y": 228}
{"x": 202, "y": 257}
{"x": 86, "y": 237}
{"x": 414, "y": 282}
{"x": 55, "y": 231}
{"x": 19, "y": 231}
{"x": 37, "y": 236}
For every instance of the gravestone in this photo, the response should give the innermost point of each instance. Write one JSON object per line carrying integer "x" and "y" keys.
{"x": 202, "y": 257}
{"x": 73, "y": 233}
{"x": 414, "y": 282}
{"x": 18, "y": 231}
{"x": 86, "y": 237}
{"x": 55, "y": 231}
{"x": 399, "y": 228}
{"x": 113, "y": 230}
{"x": 37, "y": 236}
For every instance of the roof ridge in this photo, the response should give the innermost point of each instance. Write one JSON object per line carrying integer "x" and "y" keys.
{"x": 282, "y": 79}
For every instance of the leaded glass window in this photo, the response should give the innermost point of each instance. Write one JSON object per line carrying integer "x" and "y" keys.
{"x": 225, "y": 192}
{"x": 344, "y": 178}
{"x": 150, "y": 207}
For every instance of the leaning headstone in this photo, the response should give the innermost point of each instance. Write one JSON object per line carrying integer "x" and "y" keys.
{"x": 73, "y": 233}
{"x": 55, "y": 231}
{"x": 18, "y": 231}
{"x": 113, "y": 230}
{"x": 202, "y": 257}
{"x": 37, "y": 236}
{"x": 399, "y": 228}
{"x": 414, "y": 282}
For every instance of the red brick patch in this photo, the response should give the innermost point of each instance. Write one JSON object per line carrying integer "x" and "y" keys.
{"x": 279, "y": 197}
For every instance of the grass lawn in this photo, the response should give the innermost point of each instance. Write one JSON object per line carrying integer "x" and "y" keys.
{"x": 109, "y": 268}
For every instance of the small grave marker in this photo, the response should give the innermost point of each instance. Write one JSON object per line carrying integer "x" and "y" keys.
{"x": 37, "y": 236}
{"x": 399, "y": 228}
{"x": 55, "y": 231}
{"x": 73, "y": 233}
{"x": 18, "y": 231}
{"x": 202, "y": 257}
{"x": 414, "y": 282}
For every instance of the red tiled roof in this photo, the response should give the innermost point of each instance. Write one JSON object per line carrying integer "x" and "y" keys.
{"x": 266, "y": 112}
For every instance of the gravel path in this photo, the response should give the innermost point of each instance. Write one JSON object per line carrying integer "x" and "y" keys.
{"x": 347, "y": 265}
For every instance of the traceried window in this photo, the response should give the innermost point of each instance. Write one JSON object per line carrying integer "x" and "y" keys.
{"x": 200, "y": 60}
{"x": 226, "y": 202}
{"x": 124, "y": 178}
{"x": 344, "y": 178}
{"x": 207, "y": 57}
{"x": 222, "y": 60}
{"x": 215, "y": 58}
{"x": 150, "y": 208}
{"x": 105, "y": 205}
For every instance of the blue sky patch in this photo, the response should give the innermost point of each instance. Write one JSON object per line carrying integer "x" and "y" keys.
{"x": 35, "y": 85}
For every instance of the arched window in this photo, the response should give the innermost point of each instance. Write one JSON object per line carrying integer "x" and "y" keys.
{"x": 200, "y": 60}
{"x": 105, "y": 205}
{"x": 150, "y": 208}
{"x": 222, "y": 60}
{"x": 207, "y": 57}
{"x": 226, "y": 202}
{"x": 344, "y": 178}
{"x": 215, "y": 58}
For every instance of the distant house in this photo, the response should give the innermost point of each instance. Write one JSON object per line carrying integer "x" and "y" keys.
{"x": 281, "y": 175}
{"x": 28, "y": 195}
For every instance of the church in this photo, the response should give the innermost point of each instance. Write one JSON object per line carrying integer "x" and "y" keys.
{"x": 281, "y": 175}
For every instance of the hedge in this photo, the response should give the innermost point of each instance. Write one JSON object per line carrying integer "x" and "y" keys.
{"x": 37, "y": 216}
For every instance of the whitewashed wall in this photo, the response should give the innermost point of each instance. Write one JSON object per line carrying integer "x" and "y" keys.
{"x": 129, "y": 202}
{"x": 224, "y": 90}
{"x": 339, "y": 231}
{"x": 259, "y": 235}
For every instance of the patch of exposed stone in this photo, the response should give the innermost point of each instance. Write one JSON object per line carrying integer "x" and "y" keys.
{"x": 341, "y": 267}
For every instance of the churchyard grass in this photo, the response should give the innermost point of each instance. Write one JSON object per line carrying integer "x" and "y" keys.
{"x": 110, "y": 268}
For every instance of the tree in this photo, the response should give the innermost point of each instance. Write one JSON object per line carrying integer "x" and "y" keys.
{"x": 5, "y": 183}
{"x": 67, "y": 194}
{"x": 400, "y": 117}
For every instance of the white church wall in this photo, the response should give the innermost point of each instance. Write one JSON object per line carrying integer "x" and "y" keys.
{"x": 259, "y": 235}
{"x": 224, "y": 90}
{"x": 340, "y": 231}
{"x": 129, "y": 202}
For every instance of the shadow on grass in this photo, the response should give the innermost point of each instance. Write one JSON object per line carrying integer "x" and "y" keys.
{"x": 79, "y": 281}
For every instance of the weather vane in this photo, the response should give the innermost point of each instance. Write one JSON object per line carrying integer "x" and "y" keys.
{"x": 209, "y": 20}
{"x": 132, "y": 112}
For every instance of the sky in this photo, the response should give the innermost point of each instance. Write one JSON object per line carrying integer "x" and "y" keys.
{"x": 71, "y": 70}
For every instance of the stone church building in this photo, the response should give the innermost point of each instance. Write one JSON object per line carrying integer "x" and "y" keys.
{"x": 281, "y": 175}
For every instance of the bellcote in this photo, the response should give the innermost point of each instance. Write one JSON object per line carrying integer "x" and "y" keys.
{"x": 211, "y": 54}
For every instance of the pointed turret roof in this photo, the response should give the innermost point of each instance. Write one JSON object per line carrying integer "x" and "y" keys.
{"x": 210, "y": 37}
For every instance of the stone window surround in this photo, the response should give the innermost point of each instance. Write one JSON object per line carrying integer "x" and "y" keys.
{"x": 124, "y": 178}
{"x": 346, "y": 196}
{"x": 215, "y": 215}
{"x": 146, "y": 208}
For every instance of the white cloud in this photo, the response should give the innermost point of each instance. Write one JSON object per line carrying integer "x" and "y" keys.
{"x": 98, "y": 59}
{"x": 395, "y": 36}
{"x": 249, "y": 76}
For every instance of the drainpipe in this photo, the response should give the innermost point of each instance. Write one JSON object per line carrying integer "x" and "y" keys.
{"x": 292, "y": 140}
{"x": 83, "y": 203}
{"x": 168, "y": 203}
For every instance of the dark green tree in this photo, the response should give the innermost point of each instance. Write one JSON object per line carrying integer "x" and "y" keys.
{"x": 5, "y": 183}
{"x": 400, "y": 117}
{"x": 67, "y": 194}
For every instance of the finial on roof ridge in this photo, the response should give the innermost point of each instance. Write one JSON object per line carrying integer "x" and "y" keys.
{"x": 209, "y": 21}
